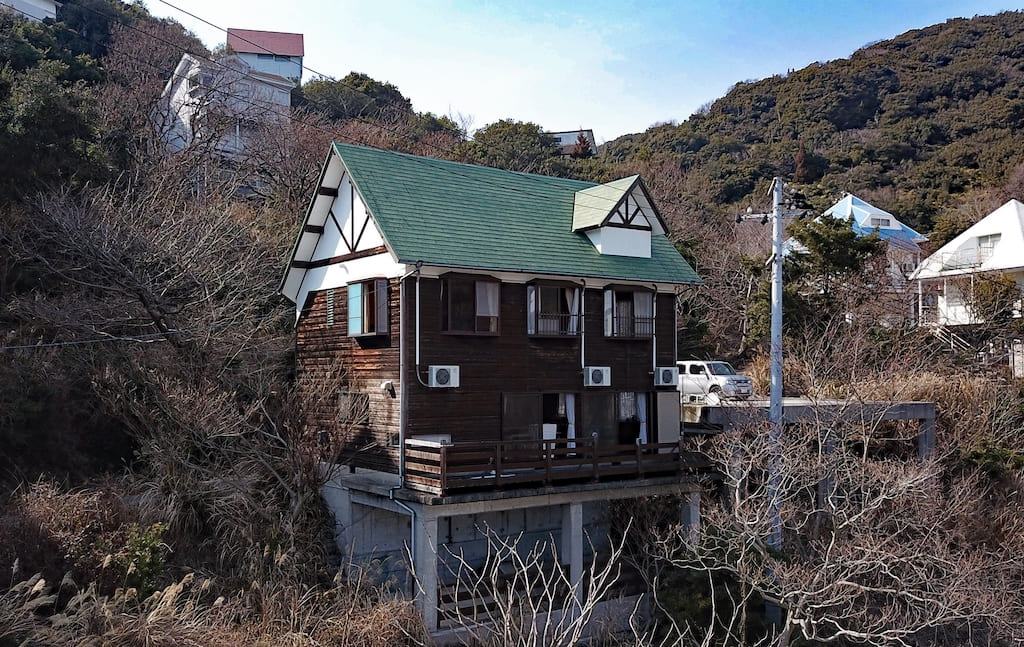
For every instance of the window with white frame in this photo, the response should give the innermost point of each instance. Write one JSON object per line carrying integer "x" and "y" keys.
{"x": 552, "y": 310}
{"x": 368, "y": 308}
{"x": 880, "y": 222}
{"x": 628, "y": 313}
{"x": 987, "y": 245}
{"x": 470, "y": 305}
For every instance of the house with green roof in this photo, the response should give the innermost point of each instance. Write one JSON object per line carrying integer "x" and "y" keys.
{"x": 508, "y": 346}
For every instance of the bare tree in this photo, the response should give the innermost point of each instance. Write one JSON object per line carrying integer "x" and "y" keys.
{"x": 520, "y": 595}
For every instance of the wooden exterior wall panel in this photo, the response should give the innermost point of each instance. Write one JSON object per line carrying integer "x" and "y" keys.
{"x": 514, "y": 362}
{"x": 323, "y": 349}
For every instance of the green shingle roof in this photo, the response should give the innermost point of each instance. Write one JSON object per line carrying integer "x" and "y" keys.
{"x": 592, "y": 205}
{"x": 476, "y": 217}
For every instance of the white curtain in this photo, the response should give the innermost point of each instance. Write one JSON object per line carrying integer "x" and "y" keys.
{"x": 531, "y": 310}
{"x": 570, "y": 414}
{"x": 641, "y": 414}
{"x": 609, "y": 308}
{"x": 643, "y": 313}
{"x": 486, "y": 299}
{"x": 572, "y": 297}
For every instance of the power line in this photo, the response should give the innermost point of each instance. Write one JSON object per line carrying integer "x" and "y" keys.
{"x": 540, "y": 179}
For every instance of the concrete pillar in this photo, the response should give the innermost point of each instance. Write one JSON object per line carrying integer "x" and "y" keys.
{"x": 338, "y": 500}
{"x": 926, "y": 438}
{"x": 425, "y": 564}
{"x": 690, "y": 514}
{"x": 572, "y": 546}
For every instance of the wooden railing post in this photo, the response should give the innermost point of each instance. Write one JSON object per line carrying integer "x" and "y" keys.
{"x": 639, "y": 460}
{"x": 497, "y": 464}
{"x": 443, "y": 468}
{"x": 596, "y": 459}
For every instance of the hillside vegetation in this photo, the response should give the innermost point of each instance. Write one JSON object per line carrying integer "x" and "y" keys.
{"x": 158, "y": 488}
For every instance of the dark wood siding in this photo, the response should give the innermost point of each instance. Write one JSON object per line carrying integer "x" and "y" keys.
{"x": 365, "y": 362}
{"x": 513, "y": 362}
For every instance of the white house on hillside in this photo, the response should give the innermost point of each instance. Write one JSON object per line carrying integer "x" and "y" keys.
{"x": 993, "y": 246}
{"x": 38, "y": 10}
{"x": 220, "y": 104}
{"x": 270, "y": 52}
{"x": 568, "y": 140}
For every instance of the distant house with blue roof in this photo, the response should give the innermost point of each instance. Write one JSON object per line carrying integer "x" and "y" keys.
{"x": 508, "y": 349}
{"x": 904, "y": 250}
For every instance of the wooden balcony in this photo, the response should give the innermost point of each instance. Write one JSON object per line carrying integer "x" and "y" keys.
{"x": 444, "y": 469}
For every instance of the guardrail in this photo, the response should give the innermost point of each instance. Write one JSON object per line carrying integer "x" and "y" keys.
{"x": 466, "y": 466}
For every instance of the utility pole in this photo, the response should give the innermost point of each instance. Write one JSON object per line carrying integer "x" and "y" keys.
{"x": 775, "y": 411}
{"x": 775, "y": 356}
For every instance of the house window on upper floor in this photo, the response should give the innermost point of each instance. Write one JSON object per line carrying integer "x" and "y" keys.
{"x": 880, "y": 222}
{"x": 470, "y": 305}
{"x": 986, "y": 246}
{"x": 628, "y": 313}
{"x": 368, "y": 308}
{"x": 552, "y": 310}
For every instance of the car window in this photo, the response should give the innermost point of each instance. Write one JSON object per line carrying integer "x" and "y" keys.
{"x": 721, "y": 368}
{"x": 696, "y": 369}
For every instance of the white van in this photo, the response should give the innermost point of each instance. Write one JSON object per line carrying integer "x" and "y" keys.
{"x": 703, "y": 378}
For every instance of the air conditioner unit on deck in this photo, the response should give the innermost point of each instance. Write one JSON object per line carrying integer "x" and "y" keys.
{"x": 443, "y": 377}
{"x": 597, "y": 376}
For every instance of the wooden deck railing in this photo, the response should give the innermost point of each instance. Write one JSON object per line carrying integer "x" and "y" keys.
{"x": 466, "y": 466}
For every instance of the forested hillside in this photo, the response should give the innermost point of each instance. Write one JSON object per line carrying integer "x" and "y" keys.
{"x": 158, "y": 488}
{"x": 921, "y": 120}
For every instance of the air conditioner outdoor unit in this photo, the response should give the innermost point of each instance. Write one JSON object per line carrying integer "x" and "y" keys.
{"x": 443, "y": 377}
{"x": 597, "y": 376}
{"x": 666, "y": 376}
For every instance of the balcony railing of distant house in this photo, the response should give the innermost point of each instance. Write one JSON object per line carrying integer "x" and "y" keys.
{"x": 968, "y": 258}
{"x": 445, "y": 469}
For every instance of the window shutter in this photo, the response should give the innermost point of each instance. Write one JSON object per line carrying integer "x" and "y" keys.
{"x": 381, "y": 287}
{"x": 609, "y": 303}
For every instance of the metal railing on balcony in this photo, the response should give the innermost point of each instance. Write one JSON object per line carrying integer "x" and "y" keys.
{"x": 633, "y": 326}
{"x": 445, "y": 469}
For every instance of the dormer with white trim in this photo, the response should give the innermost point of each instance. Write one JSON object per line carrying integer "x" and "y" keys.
{"x": 619, "y": 217}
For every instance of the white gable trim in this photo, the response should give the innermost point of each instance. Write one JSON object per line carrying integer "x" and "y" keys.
{"x": 339, "y": 241}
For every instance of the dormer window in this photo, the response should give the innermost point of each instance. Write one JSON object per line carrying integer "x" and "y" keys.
{"x": 881, "y": 222}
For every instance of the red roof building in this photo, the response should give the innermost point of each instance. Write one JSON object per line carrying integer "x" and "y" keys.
{"x": 252, "y": 41}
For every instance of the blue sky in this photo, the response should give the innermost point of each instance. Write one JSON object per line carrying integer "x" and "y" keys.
{"x": 616, "y": 66}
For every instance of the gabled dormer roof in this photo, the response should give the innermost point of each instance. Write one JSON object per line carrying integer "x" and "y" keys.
{"x": 619, "y": 203}
{"x": 993, "y": 244}
{"x": 469, "y": 217}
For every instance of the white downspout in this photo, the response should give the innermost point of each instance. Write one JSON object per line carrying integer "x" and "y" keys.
{"x": 583, "y": 328}
{"x": 402, "y": 419}
{"x": 654, "y": 331}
